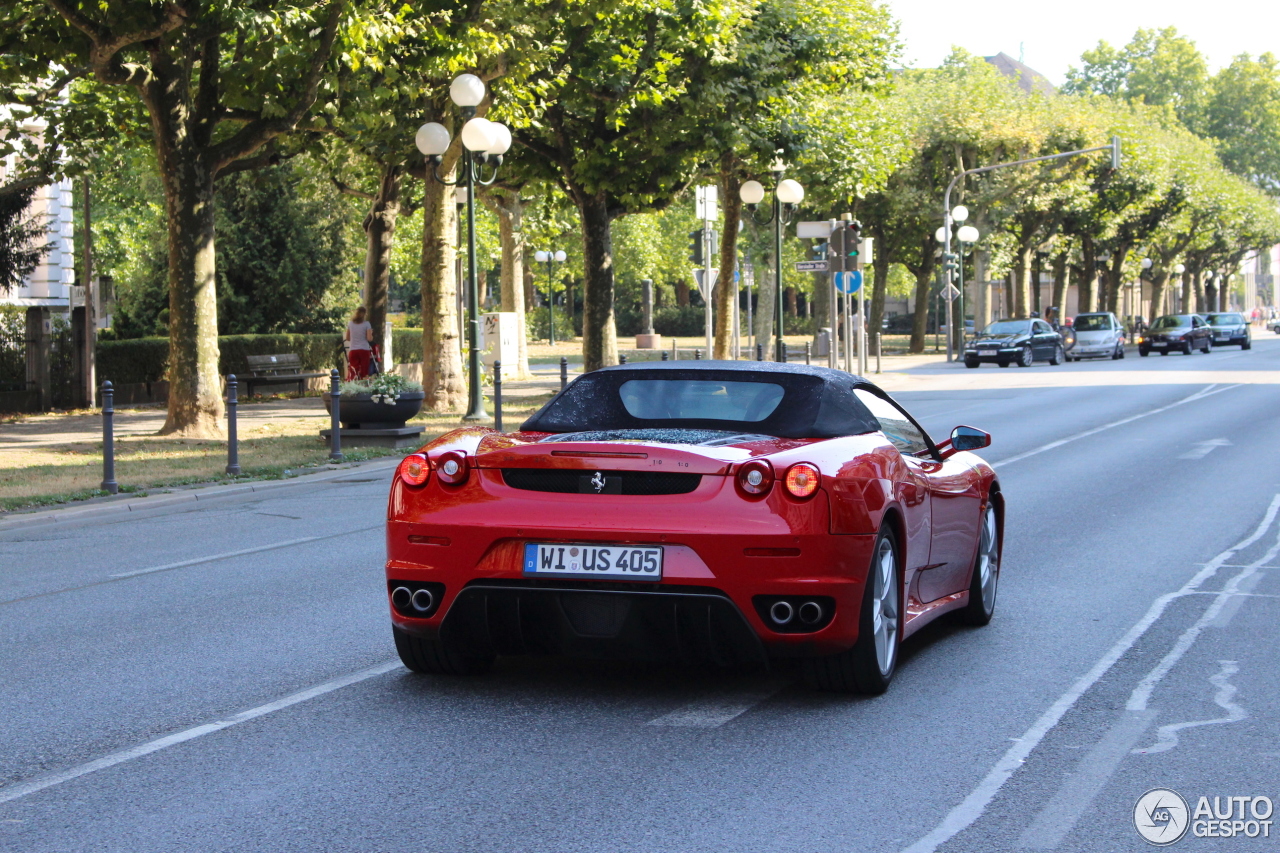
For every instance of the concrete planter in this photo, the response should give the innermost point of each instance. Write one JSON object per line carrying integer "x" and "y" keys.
{"x": 361, "y": 412}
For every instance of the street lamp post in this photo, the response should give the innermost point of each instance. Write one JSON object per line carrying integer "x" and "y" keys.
{"x": 484, "y": 142}
{"x": 1178, "y": 270}
{"x": 549, "y": 258}
{"x": 964, "y": 234}
{"x": 786, "y": 195}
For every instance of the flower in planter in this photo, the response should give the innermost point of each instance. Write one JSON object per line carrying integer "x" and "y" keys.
{"x": 383, "y": 388}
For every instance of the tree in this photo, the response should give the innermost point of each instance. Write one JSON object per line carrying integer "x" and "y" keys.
{"x": 20, "y": 246}
{"x": 218, "y": 83}
{"x": 1243, "y": 114}
{"x": 621, "y": 129}
{"x": 1157, "y": 68}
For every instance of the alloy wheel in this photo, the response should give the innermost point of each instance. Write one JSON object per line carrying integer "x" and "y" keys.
{"x": 989, "y": 559}
{"x": 884, "y": 608}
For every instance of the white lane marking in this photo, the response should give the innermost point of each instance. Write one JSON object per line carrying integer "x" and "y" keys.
{"x": 242, "y": 552}
{"x": 1199, "y": 395}
{"x": 23, "y": 789}
{"x": 1080, "y": 788}
{"x": 972, "y": 807}
{"x": 1204, "y": 448}
{"x": 1142, "y": 693}
{"x": 714, "y": 712}
{"x": 1167, "y": 737}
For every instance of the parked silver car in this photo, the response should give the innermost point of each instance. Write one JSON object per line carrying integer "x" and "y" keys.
{"x": 1099, "y": 335}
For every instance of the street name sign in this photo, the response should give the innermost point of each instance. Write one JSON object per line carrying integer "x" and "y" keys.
{"x": 811, "y": 266}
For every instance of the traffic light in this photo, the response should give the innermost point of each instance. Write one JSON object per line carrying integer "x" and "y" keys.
{"x": 950, "y": 263}
{"x": 695, "y": 248}
{"x": 836, "y": 249}
{"x": 853, "y": 246}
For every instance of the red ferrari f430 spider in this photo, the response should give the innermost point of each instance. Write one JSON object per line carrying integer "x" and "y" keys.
{"x": 728, "y": 512}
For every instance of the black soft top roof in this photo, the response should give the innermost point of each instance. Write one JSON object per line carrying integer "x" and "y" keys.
{"x": 817, "y": 402}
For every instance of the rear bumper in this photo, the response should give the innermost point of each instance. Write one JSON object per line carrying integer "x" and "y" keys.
{"x": 658, "y": 623}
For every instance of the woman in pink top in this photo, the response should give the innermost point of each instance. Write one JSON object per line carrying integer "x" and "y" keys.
{"x": 359, "y": 343}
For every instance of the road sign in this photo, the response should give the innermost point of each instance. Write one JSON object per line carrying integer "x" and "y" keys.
{"x": 950, "y": 292}
{"x": 698, "y": 279}
{"x": 849, "y": 282}
{"x": 705, "y": 203}
{"x": 811, "y": 266}
{"x": 811, "y": 230}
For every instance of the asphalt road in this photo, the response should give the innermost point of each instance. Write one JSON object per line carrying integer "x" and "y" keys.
{"x": 220, "y": 676}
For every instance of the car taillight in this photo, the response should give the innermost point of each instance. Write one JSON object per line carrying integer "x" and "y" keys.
{"x": 755, "y": 478}
{"x": 802, "y": 480}
{"x": 414, "y": 470}
{"x": 451, "y": 467}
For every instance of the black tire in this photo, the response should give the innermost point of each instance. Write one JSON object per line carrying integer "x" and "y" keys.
{"x": 1207, "y": 348}
{"x": 1187, "y": 348}
{"x": 1026, "y": 357}
{"x": 1246, "y": 344}
{"x": 972, "y": 362}
{"x": 1058, "y": 356}
{"x": 861, "y": 669}
{"x": 1119, "y": 353}
{"x": 433, "y": 656}
{"x": 1002, "y": 364}
{"x": 1164, "y": 352}
{"x": 986, "y": 571}
{"x": 1144, "y": 352}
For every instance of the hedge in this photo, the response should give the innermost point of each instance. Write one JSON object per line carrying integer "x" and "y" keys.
{"x": 146, "y": 359}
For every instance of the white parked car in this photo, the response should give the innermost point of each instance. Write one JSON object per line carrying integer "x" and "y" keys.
{"x": 1098, "y": 335}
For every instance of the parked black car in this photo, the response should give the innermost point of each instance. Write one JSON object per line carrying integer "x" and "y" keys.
{"x": 1181, "y": 332}
{"x": 1230, "y": 329}
{"x": 1019, "y": 342}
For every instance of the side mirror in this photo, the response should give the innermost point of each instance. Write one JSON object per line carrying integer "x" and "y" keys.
{"x": 965, "y": 438}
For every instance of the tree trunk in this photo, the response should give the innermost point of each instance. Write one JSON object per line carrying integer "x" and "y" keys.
{"x": 599, "y": 332}
{"x": 1022, "y": 281}
{"x": 380, "y": 230}
{"x": 1114, "y": 278}
{"x": 528, "y": 291}
{"x": 763, "y": 318}
{"x": 682, "y": 293}
{"x": 920, "y": 322}
{"x": 726, "y": 295}
{"x": 442, "y": 379}
{"x": 793, "y": 303}
{"x": 195, "y": 391}
{"x": 1188, "y": 306}
{"x": 1061, "y": 271}
{"x": 509, "y": 208}
{"x": 1197, "y": 284}
{"x": 1157, "y": 293}
{"x": 1088, "y": 283}
{"x": 879, "y": 283}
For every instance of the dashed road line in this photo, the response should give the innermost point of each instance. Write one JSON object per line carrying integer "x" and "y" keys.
{"x": 23, "y": 789}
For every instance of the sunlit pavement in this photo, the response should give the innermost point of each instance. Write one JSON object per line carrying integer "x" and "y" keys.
{"x": 220, "y": 675}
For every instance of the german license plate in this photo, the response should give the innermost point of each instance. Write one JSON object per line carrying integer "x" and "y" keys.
{"x": 617, "y": 562}
{"x": 988, "y": 352}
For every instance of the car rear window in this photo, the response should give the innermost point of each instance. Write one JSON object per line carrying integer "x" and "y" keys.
{"x": 1092, "y": 323}
{"x": 700, "y": 399}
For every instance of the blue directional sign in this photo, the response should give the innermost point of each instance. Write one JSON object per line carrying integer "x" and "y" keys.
{"x": 849, "y": 282}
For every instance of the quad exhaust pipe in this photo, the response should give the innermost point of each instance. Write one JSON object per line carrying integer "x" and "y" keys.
{"x": 407, "y": 600}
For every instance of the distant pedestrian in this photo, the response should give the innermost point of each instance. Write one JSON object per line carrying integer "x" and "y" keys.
{"x": 359, "y": 343}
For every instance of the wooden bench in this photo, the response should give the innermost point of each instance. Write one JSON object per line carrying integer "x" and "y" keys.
{"x": 279, "y": 369}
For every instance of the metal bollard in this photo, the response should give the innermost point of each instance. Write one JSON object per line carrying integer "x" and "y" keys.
{"x": 564, "y": 372}
{"x": 759, "y": 352}
{"x": 233, "y": 442}
{"x": 664, "y": 355}
{"x": 622, "y": 359}
{"x": 675, "y": 353}
{"x": 109, "y": 484}
{"x": 335, "y": 427}
{"x": 497, "y": 396}
{"x": 808, "y": 351}
{"x": 782, "y": 351}
{"x": 697, "y": 355}
{"x": 877, "y": 352}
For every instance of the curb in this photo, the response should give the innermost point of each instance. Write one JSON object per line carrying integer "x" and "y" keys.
{"x": 118, "y": 506}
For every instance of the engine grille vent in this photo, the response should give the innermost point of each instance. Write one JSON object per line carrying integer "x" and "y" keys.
{"x": 572, "y": 482}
